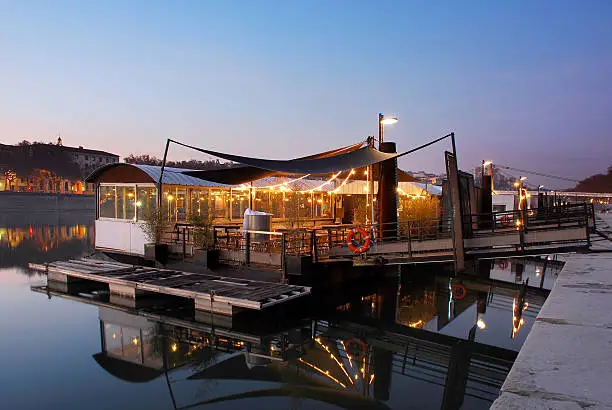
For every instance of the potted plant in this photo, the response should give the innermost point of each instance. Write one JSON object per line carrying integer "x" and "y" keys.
{"x": 154, "y": 226}
{"x": 204, "y": 251}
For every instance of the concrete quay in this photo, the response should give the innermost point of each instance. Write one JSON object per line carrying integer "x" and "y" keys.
{"x": 566, "y": 361}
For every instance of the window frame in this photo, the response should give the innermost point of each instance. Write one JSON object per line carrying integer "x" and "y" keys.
{"x": 123, "y": 184}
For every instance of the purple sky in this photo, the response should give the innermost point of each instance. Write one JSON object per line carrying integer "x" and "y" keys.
{"x": 524, "y": 83}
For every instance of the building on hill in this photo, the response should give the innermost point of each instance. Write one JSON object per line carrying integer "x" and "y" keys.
{"x": 49, "y": 167}
{"x": 87, "y": 159}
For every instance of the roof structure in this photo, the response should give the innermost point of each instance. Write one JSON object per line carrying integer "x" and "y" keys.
{"x": 343, "y": 160}
{"x": 172, "y": 176}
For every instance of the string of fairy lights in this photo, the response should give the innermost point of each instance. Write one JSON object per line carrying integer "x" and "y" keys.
{"x": 286, "y": 186}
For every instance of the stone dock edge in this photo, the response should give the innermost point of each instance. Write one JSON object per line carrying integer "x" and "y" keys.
{"x": 566, "y": 361}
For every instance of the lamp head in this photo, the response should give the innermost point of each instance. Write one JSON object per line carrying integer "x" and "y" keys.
{"x": 389, "y": 120}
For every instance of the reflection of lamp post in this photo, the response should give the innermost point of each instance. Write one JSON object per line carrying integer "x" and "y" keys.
{"x": 480, "y": 324}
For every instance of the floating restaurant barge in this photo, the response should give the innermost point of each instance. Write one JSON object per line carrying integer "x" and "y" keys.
{"x": 324, "y": 213}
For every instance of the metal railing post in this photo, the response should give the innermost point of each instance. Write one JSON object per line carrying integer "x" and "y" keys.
{"x": 409, "y": 241}
{"x": 184, "y": 242}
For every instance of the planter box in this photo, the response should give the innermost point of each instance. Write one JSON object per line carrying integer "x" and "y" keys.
{"x": 157, "y": 252}
{"x": 208, "y": 258}
{"x": 299, "y": 265}
{"x": 149, "y": 251}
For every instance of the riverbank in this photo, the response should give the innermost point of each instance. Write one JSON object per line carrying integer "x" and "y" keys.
{"x": 565, "y": 362}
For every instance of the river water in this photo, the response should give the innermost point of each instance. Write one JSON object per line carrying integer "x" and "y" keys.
{"x": 417, "y": 341}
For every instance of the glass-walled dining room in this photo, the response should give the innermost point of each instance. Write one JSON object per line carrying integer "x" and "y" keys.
{"x": 223, "y": 204}
{"x": 126, "y": 201}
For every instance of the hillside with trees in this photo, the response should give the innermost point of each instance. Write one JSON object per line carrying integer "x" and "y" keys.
{"x": 596, "y": 183}
{"x": 27, "y": 159}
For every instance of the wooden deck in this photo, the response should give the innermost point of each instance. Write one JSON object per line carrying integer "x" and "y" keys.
{"x": 219, "y": 294}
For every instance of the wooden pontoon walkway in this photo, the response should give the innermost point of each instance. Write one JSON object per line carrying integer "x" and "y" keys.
{"x": 214, "y": 293}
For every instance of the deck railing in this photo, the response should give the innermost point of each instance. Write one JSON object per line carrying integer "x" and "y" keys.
{"x": 274, "y": 247}
{"x": 557, "y": 217}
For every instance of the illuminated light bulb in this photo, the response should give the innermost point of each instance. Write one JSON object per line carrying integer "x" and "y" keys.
{"x": 481, "y": 324}
{"x": 135, "y": 341}
{"x": 138, "y": 204}
{"x": 174, "y": 347}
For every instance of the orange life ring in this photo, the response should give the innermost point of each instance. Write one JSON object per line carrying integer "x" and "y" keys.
{"x": 503, "y": 264}
{"x": 459, "y": 291}
{"x": 505, "y": 220}
{"x": 356, "y": 248}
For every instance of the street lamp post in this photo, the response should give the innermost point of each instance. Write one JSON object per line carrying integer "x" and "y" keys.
{"x": 382, "y": 121}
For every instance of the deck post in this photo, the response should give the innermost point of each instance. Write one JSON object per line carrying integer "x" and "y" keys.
{"x": 586, "y": 224}
{"x": 247, "y": 248}
{"x": 161, "y": 176}
{"x": 184, "y": 242}
{"x": 313, "y": 241}
{"x": 284, "y": 257}
{"x": 457, "y": 218}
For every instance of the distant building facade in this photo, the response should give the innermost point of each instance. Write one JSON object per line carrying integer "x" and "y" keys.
{"x": 88, "y": 159}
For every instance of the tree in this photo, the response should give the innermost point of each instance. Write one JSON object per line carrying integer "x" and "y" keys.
{"x": 143, "y": 159}
{"x": 595, "y": 183}
{"x": 146, "y": 159}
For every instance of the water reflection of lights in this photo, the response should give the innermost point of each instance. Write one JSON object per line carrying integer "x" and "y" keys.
{"x": 481, "y": 324}
{"x": 361, "y": 369}
{"x": 517, "y": 315}
{"x": 43, "y": 237}
{"x": 418, "y": 323}
{"x": 341, "y": 365}
{"x": 323, "y": 372}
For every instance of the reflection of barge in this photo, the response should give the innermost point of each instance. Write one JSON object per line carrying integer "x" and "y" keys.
{"x": 309, "y": 359}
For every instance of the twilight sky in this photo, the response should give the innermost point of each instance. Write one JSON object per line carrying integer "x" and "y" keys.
{"x": 527, "y": 84}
